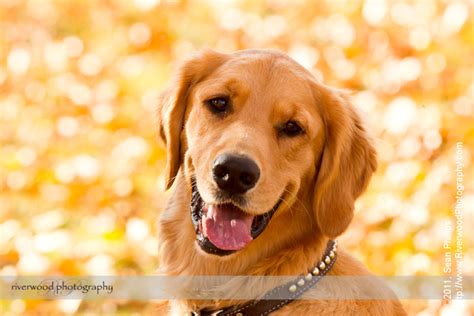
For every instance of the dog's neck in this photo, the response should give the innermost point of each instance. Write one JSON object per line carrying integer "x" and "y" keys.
{"x": 291, "y": 250}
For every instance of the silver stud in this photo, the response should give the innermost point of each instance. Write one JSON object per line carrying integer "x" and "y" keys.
{"x": 292, "y": 288}
{"x": 327, "y": 260}
{"x": 300, "y": 282}
{"x": 309, "y": 276}
{"x": 315, "y": 271}
{"x": 332, "y": 254}
{"x": 322, "y": 265}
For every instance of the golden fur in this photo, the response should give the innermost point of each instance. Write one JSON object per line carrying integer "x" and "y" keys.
{"x": 319, "y": 174}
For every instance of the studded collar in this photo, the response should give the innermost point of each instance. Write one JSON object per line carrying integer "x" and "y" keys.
{"x": 288, "y": 292}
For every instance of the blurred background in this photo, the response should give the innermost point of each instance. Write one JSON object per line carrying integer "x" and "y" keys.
{"x": 80, "y": 167}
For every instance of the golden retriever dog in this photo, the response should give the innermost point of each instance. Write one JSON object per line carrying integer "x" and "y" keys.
{"x": 265, "y": 163}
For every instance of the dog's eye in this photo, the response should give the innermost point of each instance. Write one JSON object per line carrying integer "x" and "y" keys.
{"x": 219, "y": 104}
{"x": 292, "y": 128}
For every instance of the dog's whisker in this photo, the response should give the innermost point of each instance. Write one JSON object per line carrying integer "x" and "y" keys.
{"x": 297, "y": 200}
{"x": 287, "y": 204}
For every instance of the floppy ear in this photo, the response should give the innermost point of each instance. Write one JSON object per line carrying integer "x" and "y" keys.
{"x": 348, "y": 161}
{"x": 173, "y": 102}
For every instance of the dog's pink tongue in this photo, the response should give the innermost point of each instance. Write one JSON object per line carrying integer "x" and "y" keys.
{"x": 227, "y": 227}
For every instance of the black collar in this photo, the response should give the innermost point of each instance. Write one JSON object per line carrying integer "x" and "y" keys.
{"x": 289, "y": 291}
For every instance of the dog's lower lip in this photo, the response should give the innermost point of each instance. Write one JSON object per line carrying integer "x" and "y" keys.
{"x": 197, "y": 207}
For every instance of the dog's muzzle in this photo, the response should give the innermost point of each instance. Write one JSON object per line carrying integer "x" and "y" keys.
{"x": 223, "y": 229}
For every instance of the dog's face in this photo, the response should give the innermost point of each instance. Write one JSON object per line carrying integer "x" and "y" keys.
{"x": 253, "y": 131}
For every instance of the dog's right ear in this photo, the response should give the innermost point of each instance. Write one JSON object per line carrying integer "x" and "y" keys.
{"x": 348, "y": 161}
{"x": 172, "y": 106}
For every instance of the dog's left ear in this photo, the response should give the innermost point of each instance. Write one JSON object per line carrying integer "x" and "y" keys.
{"x": 348, "y": 161}
{"x": 173, "y": 102}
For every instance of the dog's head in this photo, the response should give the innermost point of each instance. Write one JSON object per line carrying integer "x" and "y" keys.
{"x": 254, "y": 132}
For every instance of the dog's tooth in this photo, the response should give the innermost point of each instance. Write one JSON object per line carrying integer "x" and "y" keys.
{"x": 211, "y": 211}
{"x": 233, "y": 222}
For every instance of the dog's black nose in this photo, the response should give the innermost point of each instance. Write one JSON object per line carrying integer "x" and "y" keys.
{"x": 235, "y": 174}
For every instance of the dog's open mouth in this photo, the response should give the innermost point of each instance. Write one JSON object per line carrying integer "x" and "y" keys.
{"x": 222, "y": 229}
